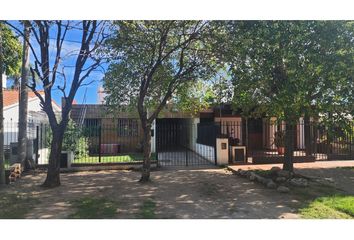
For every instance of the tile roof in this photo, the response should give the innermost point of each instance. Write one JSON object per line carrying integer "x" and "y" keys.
{"x": 11, "y": 96}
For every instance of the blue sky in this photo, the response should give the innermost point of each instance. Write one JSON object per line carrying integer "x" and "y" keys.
{"x": 70, "y": 49}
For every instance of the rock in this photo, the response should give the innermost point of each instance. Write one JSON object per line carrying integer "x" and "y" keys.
{"x": 271, "y": 184}
{"x": 284, "y": 173}
{"x": 299, "y": 182}
{"x": 275, "y": 169}
{"x": 252, "y": 176}
{"x": 263, "y": 180}
{"x": 242, "y": 172}
{"x": 280, "y": 179}
{"x": 283, "y": 189}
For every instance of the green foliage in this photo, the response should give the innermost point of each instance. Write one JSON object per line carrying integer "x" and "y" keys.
{"x": 74, "y": 140}
{"x": 94, "y": 208}
{"x": 288, "y": 68}
{"x": 12, "y": 51}
{"x": 194, "y": 97}
{"x": 337, "y": 206}
{"x": 152, "y": 60}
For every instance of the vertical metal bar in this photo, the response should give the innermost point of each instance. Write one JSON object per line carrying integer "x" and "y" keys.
{"x": 37, "y": 144}
{"x": 215, "y": 146}
{"x": 99, "y": 143}
{"x": 186, "y": 141}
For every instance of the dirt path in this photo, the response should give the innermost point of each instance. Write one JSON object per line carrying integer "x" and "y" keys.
{"x": 199, "y": 193}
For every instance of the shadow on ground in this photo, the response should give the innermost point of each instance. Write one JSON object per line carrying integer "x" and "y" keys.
{"x": 172, "y": 193}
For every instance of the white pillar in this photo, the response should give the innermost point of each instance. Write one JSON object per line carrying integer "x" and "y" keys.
{"x": 153, "y": 138}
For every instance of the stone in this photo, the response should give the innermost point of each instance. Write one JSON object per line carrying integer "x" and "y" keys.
{"x": 275, "y": 169}
{"x": 283, "y": 189}
{"x": 252, "y": 177}
{"x": 271, "y": 184}
{"x": 284, "y": 173}
{"x": 280, "y": 179}
{"x": 242, "y": 173}
{"x": 299, "y": 182}
{"x": 263, "y": 180}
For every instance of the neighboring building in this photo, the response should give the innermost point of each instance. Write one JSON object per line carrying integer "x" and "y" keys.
{"x": 35, "y": 112}
{"x": 37, "y": 119}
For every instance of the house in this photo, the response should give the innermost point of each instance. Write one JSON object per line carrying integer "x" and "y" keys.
{"x": 35, "y": 112}
{"x": 121, "y": 132}
{"x": 312, "y": 140}
{"x": 180, "y": 138}
{"x": 36, "y": 118}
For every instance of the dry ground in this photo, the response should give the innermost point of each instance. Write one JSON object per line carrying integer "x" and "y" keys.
{"x": 174, "y": 193}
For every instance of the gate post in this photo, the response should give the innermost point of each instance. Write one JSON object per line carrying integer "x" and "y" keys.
{"x": 99, "y": 143}
{"x": 37, "y": 145}
{"x": 184, "y": 125}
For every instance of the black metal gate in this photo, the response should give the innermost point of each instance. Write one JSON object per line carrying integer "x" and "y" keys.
{"x": 176, "y": 144}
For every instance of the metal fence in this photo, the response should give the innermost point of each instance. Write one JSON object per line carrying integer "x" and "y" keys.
{"x": 35, "y": 143}
{"x": 264, "y": 140}
{"x": 94, "y": 144}
{"x": 181, "y": 142}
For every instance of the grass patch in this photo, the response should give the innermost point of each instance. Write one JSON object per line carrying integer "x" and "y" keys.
{"x": 338, "y": 206}
{"x": 320, "y": 201}
{"x": 13, "y": 206}
{"x": 147, "y": 210}
{"x": 94, "y": 208}
{"x": 348, "y": 168}
{"x": 113, "y": 159}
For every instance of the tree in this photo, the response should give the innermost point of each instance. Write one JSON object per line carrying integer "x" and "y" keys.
{"x": 152, "y": 60}
{"x": 52, "y": 74}
{"x": 10, "y": 51}
{"x": 289, "y": 69}
{"x": 23, "y": 101}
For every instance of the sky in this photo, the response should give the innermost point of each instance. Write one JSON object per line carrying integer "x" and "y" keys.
{"x": 70, "y": 49}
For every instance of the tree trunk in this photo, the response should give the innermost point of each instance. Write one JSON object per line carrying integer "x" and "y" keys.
{"x": 53, "y": 173}
{"x": 308, "y": 140}
{"x": 289, "y": 147}
{"x": 145, "y": 173}
{"x": 2, "y": 160}
{"x": 23, "y": 104}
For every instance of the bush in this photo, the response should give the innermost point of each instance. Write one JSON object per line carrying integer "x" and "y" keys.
{"x": 74, "y": 140}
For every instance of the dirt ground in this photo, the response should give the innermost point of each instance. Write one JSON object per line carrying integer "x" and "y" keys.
{"x": 177, "y": 193}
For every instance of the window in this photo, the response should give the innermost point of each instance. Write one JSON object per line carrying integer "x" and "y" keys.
{"x": 127, "y": 127}
{"x": 92, "y": 127}
{"x": 91, "y": 122}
